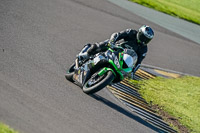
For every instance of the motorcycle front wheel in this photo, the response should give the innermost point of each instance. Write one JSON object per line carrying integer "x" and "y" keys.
{"x": 96, "y": 82}
{"x": 70, "y": 73}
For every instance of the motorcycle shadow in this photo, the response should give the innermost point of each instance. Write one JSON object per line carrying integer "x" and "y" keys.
{"x": 125, "y": 112}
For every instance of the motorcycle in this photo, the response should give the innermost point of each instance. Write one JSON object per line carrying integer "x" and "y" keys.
{"x": 102, "y": 69}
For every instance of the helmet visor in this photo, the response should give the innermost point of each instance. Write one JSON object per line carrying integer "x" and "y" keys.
{"x": 142, "y": 38}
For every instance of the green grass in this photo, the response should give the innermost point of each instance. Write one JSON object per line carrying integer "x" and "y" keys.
{"x": 179, "y": 97}
{"x": 185, "y": 9}
{"x": 6, "y": 129}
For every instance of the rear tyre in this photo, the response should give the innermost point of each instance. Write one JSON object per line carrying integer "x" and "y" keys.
{"x": 96, "y": 82}
{"x": 70, "y": 73}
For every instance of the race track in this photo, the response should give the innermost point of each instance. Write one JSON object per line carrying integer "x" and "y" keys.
{"x": 39, "y": 40}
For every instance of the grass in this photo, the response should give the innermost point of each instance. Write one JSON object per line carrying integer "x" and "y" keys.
{"x": 179, "y": 97}
{"x": 185, "y": 9}
{"x": 6, "y": 129}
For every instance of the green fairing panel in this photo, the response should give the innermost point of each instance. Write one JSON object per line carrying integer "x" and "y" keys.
{"x": 118, "y": 70}
{"x": 104, "y": 70}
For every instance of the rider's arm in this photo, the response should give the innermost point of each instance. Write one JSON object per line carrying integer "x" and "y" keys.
{"x": 141, "y": 55}
{"x": 120, "y": 35}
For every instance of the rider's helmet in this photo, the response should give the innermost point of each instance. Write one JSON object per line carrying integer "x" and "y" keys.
{"x": 144, "y": 35}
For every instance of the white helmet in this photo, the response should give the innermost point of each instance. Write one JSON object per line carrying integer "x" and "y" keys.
{"x": 145, "y": 35}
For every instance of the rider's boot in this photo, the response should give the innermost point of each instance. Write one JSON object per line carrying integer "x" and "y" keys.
{"x": 83, "y": 55}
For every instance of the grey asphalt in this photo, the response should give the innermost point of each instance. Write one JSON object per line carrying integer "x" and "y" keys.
{"x": 179, "y": 26}
{"x": 39, "y": 40}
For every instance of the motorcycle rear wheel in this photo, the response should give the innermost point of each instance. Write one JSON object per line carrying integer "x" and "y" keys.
{"x": 96, "y": 83}
{"x": 70, "y": 73}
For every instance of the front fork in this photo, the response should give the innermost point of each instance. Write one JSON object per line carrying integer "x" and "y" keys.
{"x": 77, "y": 62}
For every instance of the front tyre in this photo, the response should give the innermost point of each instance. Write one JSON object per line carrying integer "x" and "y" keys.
{"x": 96, "y": 82}
{"x": 70, "y": 73}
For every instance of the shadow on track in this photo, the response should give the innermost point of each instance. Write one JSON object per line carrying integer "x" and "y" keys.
{"x": 125, "y": 112}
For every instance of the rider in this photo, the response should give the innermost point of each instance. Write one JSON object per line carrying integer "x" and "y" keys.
{"x": 132, "y": 39}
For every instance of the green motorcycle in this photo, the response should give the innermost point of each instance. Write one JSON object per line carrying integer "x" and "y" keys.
{"x": 102, "y": 69}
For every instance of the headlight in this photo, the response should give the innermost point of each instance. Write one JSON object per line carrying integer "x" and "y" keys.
{"x": 116, "y": 61}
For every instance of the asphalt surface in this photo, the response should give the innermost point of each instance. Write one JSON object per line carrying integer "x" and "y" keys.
{"x": 179, "y": 26}
{"x": 39, "y": 40}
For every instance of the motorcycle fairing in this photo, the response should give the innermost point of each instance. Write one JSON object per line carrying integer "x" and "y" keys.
{"x": 83, "y": 72}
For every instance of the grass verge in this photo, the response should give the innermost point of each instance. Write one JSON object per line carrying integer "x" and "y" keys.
{"x": 179, "y": 97}
{"x": 6, "y": 129}
{"x": 185, "y": 9}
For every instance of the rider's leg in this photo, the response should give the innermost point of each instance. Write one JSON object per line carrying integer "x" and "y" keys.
{"x": 92, "y": 49}
{"x": 98, "y": 47}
